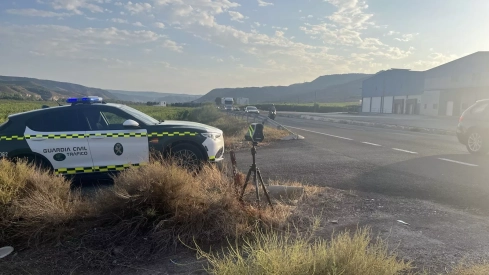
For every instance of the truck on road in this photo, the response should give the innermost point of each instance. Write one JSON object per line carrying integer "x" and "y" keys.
{"x": 228, "y": 103}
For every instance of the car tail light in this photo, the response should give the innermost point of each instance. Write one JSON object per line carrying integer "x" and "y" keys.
{"x": 461, "y": 118}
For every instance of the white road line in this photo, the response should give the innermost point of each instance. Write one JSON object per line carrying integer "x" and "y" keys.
{"x": 402, "y": 150}
{"x": 371, "y": 143}
{"x": 459, "y": 162}
{"x": 319, "y": 133}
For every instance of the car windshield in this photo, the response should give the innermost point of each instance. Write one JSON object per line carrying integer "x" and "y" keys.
{"x": 252, "y": 108}
{"x": 146, "y": 119}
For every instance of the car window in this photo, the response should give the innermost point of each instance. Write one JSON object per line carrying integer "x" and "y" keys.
{"x": 65, "y": 121}
{"x": 114, "y": 119}
{"x": 479, "y": 108}
{"x": 148, "y": 120}
{"x": 105, "y": 119}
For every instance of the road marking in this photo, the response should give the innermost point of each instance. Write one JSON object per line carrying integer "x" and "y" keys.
{"x": 459, "y": 162}
{"x": 319, "y": 133}
{"x": 371, "y": 143}
{"x": 405, "y": 151}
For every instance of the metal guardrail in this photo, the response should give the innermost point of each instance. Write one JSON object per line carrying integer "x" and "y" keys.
{"x": 252, "y": 118}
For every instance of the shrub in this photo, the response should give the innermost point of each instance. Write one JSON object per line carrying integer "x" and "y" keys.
{"x": 153, "y": 207}
{"x": 231, "y": 126}
{"x": 206, "y": 114}
{"x": 272, "y": 253}
{"x": 169, "y": 203}
{"x": 36, "y": 204}
{"x": 13, "y": 179}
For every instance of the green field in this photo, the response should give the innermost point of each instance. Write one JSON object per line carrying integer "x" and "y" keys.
{"x": 331, "y": 104}
{"x": 8, "y": 107}
{"x": 313, "y": 107}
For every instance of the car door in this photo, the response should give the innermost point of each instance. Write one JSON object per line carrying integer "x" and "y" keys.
{"x": 59, "y": 135}
{"x": 113, "y": 146}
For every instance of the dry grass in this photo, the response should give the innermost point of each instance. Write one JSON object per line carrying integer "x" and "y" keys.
{"x": 273, "y": 253}
{"x": 36, "y": 204}
{"x": 151, "y": 208}
{"x": 274, "y": 134}
{"x": 13, "y": 179}
{"x": 237, "y": 140}
{"x": 471, "y": 269}
{"x": 170, "y": 203}
{"x": 160, "y": 205}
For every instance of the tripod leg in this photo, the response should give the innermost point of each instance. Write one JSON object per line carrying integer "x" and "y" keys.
{"x": 246, "y": 183}
{"x": 256, "y": 187}
{"x": 264, "y": 189}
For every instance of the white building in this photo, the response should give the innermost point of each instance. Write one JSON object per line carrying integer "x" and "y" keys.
{"x": 451, "y": 88}
{"x": 395, "y": 91}
{"x": 162, "y": 103}
{"x": 242, "y": 101}
{"x": 446, "y": 90}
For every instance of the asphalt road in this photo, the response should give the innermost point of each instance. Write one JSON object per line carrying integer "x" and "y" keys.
{"x": 443, "y": 123}
{"x": 388, "y": 162}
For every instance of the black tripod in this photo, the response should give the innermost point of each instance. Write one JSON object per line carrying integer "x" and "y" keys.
{"x": 255, "y": 170}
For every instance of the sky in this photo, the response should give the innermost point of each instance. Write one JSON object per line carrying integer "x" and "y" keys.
{"x": 193, "y": 46}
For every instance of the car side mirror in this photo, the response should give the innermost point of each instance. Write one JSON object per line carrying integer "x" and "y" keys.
{"x": 130, "y": 124}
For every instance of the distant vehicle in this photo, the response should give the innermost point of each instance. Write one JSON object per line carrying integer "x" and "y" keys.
{"x": 473, "y": 128}
{"x": 228, "y": 103}
{"x": 272, "y": 114}
{"x": 252, "y": 109}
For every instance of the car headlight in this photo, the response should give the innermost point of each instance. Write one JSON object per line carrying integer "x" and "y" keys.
{"x": 213, "y": 136}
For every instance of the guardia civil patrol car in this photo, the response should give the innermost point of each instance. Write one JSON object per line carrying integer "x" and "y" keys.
{"x": 89, "y": 136}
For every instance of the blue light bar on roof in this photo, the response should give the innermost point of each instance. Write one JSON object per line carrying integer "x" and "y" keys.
{"x": 89, "y": 99}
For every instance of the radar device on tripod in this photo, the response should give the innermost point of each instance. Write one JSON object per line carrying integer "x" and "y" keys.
{"x": 255, "y": 135}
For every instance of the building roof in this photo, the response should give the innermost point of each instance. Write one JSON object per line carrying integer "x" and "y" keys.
{"x": 477, "y": 55}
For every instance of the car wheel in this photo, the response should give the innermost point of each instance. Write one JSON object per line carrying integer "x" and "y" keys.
{"x": 476, "y": 143}
{"x": 187, "y": 155}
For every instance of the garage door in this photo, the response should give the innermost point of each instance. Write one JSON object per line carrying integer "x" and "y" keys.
{"x": 375, "y": 104}
{"x": 388, "y": 104}
{"x": 366, "y": 105}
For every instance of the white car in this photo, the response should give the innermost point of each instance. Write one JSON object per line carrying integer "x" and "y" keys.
{"x": 252, "y": 109}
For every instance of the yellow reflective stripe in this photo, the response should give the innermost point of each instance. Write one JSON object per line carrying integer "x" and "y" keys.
{"x": 94, "y": 169}
{"x": 212, "y": 157}
{"x": 55, "y": 136}
{"x": 251, "y": 131}
{"x": 115, "y": 135}
{"x": 171, "y": 134}
{"x": 11, "y": 137}
{"x": 124, "y": 135}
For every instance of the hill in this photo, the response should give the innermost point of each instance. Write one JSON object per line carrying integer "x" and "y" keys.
{"x": 32, "y": 88}
{"x": 329, "y": 88}
{"x": 13, "y": 87}
{"x": 144, "y": 96}
{"x": 345, "y": 92}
